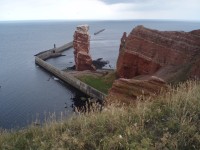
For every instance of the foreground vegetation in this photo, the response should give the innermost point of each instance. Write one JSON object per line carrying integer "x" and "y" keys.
{"x": 170, "y": 121}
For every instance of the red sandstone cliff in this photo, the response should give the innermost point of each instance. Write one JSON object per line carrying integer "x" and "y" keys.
{"x": 81, "y": 44}
{"x": 170, "y": 56}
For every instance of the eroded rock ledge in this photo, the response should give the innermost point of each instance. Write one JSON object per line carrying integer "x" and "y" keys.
{"x": 147, "y": 55}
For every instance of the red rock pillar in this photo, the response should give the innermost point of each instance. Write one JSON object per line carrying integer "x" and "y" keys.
{"x": 123, "y": 40}
{"x": 81, "y": 44}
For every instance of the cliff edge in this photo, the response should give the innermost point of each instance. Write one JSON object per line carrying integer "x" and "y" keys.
{"x": 167, "y": 56}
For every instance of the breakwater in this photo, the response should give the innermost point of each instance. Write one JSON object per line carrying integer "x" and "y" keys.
{"x": 99, "y": 31}
{"x": 66, "y": 77}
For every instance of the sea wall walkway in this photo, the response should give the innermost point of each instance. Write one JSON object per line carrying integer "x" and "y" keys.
{"x": 66, "y": 77}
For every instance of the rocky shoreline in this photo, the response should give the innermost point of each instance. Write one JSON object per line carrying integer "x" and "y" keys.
{"x": 148, "y": 60}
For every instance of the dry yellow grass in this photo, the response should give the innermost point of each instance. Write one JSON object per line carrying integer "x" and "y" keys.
{"x": 170, "y": 121}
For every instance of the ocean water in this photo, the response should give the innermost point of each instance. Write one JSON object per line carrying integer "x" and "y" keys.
{"x": 27, "y": 92}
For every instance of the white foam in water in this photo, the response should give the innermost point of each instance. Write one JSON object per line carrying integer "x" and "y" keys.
{"x": 56, "y": 79}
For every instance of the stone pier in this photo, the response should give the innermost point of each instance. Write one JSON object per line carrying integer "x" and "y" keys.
{"x": 64, "y": 76}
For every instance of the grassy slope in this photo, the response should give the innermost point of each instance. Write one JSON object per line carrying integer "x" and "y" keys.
{"x": 102, "y": 84}
{"x": 171, "y": 121}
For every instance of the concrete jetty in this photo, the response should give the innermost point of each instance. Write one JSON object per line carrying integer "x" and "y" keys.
{"x": 99, "y": 31}
{"x": 54, "y": 52}
{"x": 66, "y": 77}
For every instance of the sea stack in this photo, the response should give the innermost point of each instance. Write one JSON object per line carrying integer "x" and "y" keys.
{"x": 81, "y": 44}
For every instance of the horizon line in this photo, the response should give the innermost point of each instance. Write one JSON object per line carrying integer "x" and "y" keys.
{"x": 64, "y": 20}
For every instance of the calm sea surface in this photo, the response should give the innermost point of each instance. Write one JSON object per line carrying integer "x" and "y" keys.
{"x": 27, "y": 92}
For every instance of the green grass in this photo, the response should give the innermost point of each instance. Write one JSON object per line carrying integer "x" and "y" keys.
{"x": 102, "y": 84}
{"x": 170, "y": 121}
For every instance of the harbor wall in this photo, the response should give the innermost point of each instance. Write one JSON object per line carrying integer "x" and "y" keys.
{"x": 66, "y": 77}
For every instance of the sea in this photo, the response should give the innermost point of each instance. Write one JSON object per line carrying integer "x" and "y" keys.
{"x": 29, "y": 94}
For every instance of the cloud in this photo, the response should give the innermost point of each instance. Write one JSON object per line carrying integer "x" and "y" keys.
{"x": 98, "y": 9}
{"x": 123, "y": 1}
{"x": 118, "y": 1}
{"x": 53, "y": 9}
{"x": 156, "y": 9}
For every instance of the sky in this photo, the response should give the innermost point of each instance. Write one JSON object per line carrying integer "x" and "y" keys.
{"x": 99, "y": 9}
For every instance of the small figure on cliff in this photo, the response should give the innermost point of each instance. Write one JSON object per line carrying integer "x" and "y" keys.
{"x": 54, "y": 45}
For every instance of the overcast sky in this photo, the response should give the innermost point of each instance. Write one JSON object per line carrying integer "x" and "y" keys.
{"x": 99, "y": 9}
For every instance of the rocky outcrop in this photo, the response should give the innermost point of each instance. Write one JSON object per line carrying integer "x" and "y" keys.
{"x": 99, "y": 63}
{"x": 133, "y": 88}
{"x": 145, "y": 51}
{"x": 81, "y": 44}
{"x": 169, "y": 56}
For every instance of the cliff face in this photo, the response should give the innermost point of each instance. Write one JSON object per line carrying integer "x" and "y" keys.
{"x": 130, "y": 89}
{"x": 81, "y": 44}
{"x": 167, "y": 55}
{"x": 145, "y": 51}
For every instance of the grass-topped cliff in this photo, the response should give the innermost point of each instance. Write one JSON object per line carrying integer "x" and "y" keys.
{"x": 170, "y": 121}
{"x": 102, "y": 83}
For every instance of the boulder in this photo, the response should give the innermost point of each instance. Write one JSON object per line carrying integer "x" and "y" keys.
{"x": 99, "y": 63}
